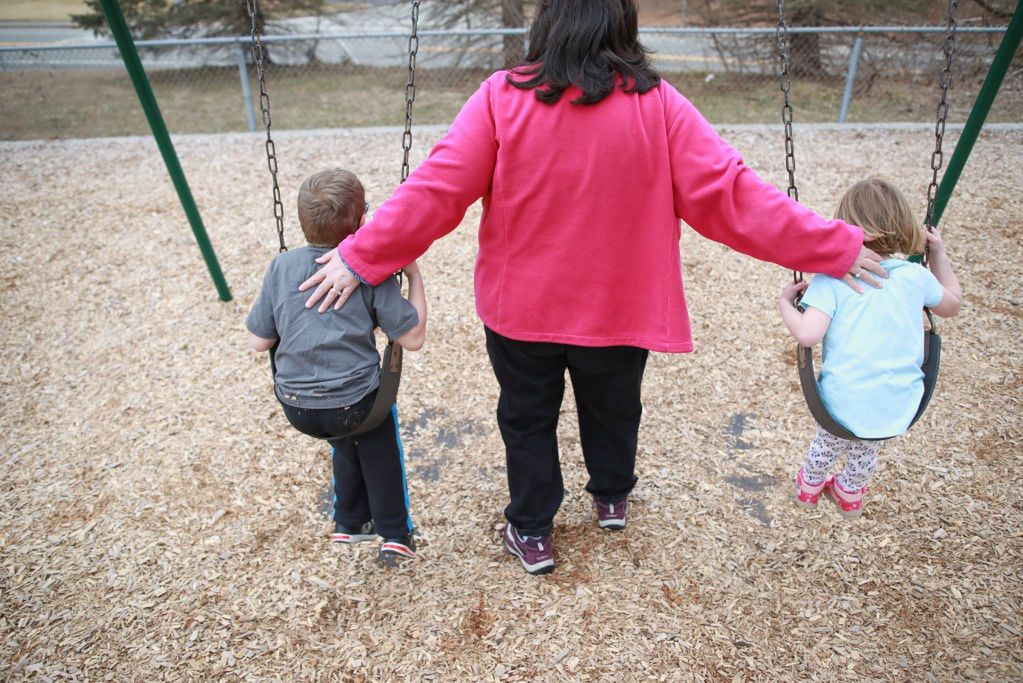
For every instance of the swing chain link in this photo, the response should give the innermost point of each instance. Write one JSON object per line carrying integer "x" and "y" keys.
{"x": 410, "y": 89}
{"x": 264, "y": 106}
{"x": 945, "y": 81}
{"x": 785, "y": 81}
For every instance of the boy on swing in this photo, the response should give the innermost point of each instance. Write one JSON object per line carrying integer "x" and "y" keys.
{"x": 328, "y": 367}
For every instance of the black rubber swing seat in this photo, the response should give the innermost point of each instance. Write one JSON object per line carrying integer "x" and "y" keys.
{"x": 808, "y": 381}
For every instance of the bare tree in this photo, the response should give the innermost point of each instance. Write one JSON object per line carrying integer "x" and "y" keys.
{"x": 513, "y": 16}
{"x": 487, "y": 14}
{"x": 150, "y": 18}
{"x": 807, "y": 48}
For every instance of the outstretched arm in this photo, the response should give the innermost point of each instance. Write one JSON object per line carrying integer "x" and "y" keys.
{"x": 429, "y": 205}
{"x": 725, "y": 200}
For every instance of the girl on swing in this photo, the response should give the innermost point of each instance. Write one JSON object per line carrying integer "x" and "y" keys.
{"x": 871, "y": 381}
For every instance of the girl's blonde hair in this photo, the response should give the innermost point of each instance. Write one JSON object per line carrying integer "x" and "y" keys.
{"x": 883, "y": 213}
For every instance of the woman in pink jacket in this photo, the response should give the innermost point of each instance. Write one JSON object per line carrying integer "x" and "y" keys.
{"x": 585, "y": 161}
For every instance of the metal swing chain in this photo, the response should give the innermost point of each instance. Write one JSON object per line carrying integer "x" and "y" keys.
{"x": 410, "y": 97}
{"x": 785, "y": 81}
{"x": 410, "y": 89}
{"x": 945, "y": 81}
{"x": 264, "y": 106}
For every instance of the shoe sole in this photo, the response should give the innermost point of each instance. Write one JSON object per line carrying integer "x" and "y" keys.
{"x": 800, "y": 503}
{"x": 611, "y": 524}
{"x": 847, "y": 514}
{"x": 351, "y": 538}
{"x": 543, "y": 567}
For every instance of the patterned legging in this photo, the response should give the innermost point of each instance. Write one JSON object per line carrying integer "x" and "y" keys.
{"x": 824, "y": 450}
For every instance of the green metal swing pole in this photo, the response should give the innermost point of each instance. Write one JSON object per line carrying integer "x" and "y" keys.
{"x": 126, "y": 46}
{"x": 988, "y": 91}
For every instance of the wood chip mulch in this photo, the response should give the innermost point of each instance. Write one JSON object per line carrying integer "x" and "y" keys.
{"x": 159, "y": 519}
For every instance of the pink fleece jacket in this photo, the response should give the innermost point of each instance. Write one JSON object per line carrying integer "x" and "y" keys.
{"x": 579, "y": 238}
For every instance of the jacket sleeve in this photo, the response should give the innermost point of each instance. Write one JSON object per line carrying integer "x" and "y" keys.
{"x": 726, "y": 201}
{"x": 433, "y": 200}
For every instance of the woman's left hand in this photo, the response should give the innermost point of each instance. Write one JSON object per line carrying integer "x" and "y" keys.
{"x": 869, "y": 261}
{"x": 334, "y": 283}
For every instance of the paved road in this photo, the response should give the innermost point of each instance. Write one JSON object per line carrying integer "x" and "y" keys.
{"x": 18, "y": 34}
{"x": 671, "y": 52}
{"x": 383, "y": 15}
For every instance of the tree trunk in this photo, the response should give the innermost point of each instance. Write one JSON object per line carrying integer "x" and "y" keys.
{"x": 806, "y": 47}
{"x": 513, "y": 16}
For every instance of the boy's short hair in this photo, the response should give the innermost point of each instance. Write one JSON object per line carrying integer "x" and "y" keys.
{"x": 877, "y": 206}
{"x": 330, "y": 206}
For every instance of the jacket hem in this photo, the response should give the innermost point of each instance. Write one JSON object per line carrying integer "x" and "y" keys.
{"x": 659, "y": 346}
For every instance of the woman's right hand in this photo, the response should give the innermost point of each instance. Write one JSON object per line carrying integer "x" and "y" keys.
{"x": 334, "y": 283}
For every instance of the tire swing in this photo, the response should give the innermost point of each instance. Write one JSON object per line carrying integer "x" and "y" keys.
{"x": 390, "y": 371}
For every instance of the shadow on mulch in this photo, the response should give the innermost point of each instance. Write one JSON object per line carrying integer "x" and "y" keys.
{"x": 751, "y": 483}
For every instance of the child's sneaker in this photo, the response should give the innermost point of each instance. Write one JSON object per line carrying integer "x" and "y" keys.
{"x": 807, "y": 495}
{"x": 611, "y": 516}
{"x": 850, "y": 503}
{"x": 534, "y": 552}
{"x": 353, "y": 534}
{"x": 396, "y": 551}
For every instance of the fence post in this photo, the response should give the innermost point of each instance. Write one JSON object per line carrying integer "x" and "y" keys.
{"x": 850, "y": 76}
{"x": 243, "y": 74}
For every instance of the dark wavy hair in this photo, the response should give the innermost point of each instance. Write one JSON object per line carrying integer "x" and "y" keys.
{"x": 586, "y": 43}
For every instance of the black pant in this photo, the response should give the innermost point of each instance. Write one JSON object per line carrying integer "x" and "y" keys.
{"x": 607, "y": 383}
{"x": 369, "y": 468}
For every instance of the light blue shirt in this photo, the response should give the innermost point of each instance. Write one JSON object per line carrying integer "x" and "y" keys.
{"x": 871, "y": 381}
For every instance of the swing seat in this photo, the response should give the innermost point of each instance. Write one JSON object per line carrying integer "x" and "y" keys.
{"x": 811, "y": 392}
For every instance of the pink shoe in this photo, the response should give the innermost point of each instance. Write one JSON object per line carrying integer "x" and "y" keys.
{"x": 850, "y": 503}
{"x": 807, "y": 495}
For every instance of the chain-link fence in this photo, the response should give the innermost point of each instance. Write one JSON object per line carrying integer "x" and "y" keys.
{"x": 358, "y": 79}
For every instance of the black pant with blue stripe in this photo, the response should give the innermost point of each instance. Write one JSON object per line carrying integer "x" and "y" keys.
{"x": 369, "y": 468}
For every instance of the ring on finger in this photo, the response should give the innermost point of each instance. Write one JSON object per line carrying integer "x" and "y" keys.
{"x": 336, "y": 290}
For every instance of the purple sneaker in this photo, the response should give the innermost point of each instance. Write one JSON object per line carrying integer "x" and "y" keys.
{"x": 534, "y": 552}
{"x": 611, "y": 516}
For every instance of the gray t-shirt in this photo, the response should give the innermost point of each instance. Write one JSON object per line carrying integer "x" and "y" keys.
{"x": 325, "y": 360}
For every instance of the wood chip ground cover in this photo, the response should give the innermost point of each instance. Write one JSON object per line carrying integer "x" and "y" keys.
{"x": 159, "y": 520}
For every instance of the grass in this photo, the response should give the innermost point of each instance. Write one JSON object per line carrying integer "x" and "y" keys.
{"x": 71, "y": 104}
{"x": 40, "y": 10}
